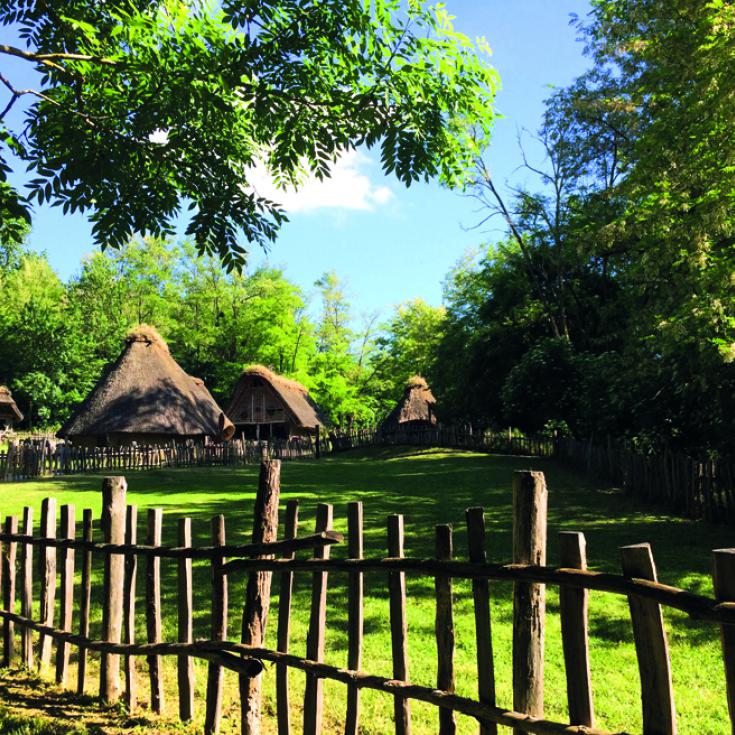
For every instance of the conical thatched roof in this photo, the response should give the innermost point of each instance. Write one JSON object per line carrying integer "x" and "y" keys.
{"x": 7, "y": 405}
{"x": 145, "y": 391}
{"x": 416, "y": 404}
{"x": 295, "y": 397}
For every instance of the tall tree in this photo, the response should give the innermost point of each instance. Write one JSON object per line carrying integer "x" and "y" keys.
{"x": 140, "y": 107}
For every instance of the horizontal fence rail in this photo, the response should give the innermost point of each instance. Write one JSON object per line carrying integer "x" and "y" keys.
{"x": 266, "y": 554}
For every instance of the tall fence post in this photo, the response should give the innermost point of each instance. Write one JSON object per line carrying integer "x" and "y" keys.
{"x": 113, "y": 531}
{"x": 529, "y": 598}
{"x": 66, "y": 593}
{"x": 215, "y": 678}
{"x": 85, "y": 594}
{"x": 284, "y": 624}
{"x": 444, "y": 628}
{"x": 153, "y": 608}
{"x": 185, "y": 668}
{"x": 131, "y": 573}
{"x": 651, "y": 646}
{"x": 398, "y": 625}
{"x": 573, "y": 605}
{"x": 26, "y": 590}
{"x": 258, "y": 592}
{"x": 9, "y": 557}
{"x": 48, "y": 579}
{"x": 315, "y": 638}
{"x": 355, "y": 613}
{"x": 724, "y": 583}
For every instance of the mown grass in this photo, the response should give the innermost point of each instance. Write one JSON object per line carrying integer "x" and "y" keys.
{"x": 431, "y": 487}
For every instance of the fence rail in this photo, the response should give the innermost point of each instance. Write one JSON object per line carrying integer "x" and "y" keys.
{"x": 265, "y": 555}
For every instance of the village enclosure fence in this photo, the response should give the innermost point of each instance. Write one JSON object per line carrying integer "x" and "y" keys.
{"x": 46, "y": 638}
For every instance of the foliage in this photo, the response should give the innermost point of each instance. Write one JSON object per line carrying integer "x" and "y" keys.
{"x": 144, "y": 107}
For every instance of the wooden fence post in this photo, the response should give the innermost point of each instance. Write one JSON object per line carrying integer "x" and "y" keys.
{"x": 355, "y": 613}
{"x": 48, "y": 579}
{"x": 573, "y": 604}
{"x": 131, "y": 573}
{"x": 185, "y": 666}
{"x": 651, "y": 645}
{"x": 724, "y": 582}
{"x": 9, "y": 557}
{"x": 113, "y": 532}
{"x": 444, "y": 628}
{"x": 153, "y": 607}
{"x": 213, "y": 717}
{"x": 398, "y": 624}
{"x": 85, "y": 598}
{"x": 313, "y": 695}
{"x": 66, "y": 555}
{"x": 26, "y": 590}
{"x": 258, "y": 592}
{"x": 475, "y": 518}
{"x": 529, "y": 599}
{"x": 284, "y": 624}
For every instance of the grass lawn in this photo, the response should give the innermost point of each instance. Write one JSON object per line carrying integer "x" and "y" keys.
{"x": 428, "y": 487}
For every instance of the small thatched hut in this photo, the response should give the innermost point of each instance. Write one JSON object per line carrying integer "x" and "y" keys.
{"x": 9, "y": 412}
{"x": 145, "y": 397}
{"x": 266, "y": 405}
{"x": 415, "y": 410}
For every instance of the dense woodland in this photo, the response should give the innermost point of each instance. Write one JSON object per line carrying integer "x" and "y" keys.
{"x": 606, "y": 310}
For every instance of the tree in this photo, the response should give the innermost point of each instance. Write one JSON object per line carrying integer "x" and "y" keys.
{"x": 142, "y": 107}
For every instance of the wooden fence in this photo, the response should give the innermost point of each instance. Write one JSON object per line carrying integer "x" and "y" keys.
{"x": 26, "y": 461}
{"x": 693, "y": 487}
{"x": 266, "y": 554}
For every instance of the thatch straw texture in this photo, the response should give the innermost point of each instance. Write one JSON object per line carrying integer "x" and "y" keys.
{"x": 145, "y": 392}
{"x": 417, "y": 405}
{"x": 9, "y": 411}
{"x": 300, "y": 407}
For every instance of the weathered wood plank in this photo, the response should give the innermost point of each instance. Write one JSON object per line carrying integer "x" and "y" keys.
{"x": 398, "y": 625}
{"x": 47, "y": 575}
{"x": 355, "y": 613}
{"x": 26, "y": 590}
{"x": 66, "y": 592}
{"x": 9, "y": 573}
{"x": 215, "y": 673}
{"x": 185, "y": 668}
{"x": 284, "y": 624}
{"x": 257, "y": 594}
{"x": 314, "y": 695}
{"x": 153, "y": 608}
{"x": 475, "y": 519}
{"x": 724, "y": 583}
{"x": 85, "y": 592}
{"x": 444, "y": 629}
{"x": 574, "y": 605}
{"x": 529, "y": 599}
{"x": 651, "y": 645}
{"x": 131, "y": 574}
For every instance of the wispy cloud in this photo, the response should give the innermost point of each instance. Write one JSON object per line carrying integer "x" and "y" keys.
{"x": 348, "y": 188}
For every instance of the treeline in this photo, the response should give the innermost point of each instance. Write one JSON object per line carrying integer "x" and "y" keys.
{"x": 609, "y": 308}
{"x": 56, "y": 338}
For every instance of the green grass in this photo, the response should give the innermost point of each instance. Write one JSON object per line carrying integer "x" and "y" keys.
{"x": 432, "y": 487}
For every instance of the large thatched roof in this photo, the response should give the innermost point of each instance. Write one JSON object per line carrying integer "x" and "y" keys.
{"x": 416, "y": 404}
{"x": 296, "y": 398}
{"x": 7, "y": 405}
{"x": 145, "y": 391}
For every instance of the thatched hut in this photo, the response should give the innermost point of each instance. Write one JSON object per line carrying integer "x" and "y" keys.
{"x": 415, "y": 410}
{"x": 145, "y": 397}
{"x": 265, "y": 405}
{"x": 9, "y": 413}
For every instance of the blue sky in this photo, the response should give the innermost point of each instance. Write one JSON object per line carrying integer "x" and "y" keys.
{"x": 387, "y": 242}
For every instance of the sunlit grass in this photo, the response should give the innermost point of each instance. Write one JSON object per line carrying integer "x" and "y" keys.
{"x": 432, "y": 487}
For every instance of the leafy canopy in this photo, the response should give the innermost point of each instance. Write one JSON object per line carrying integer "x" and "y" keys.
{"x": 142, "y": 108}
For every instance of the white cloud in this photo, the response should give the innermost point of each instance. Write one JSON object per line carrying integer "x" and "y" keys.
{"x": 349, "y": 187}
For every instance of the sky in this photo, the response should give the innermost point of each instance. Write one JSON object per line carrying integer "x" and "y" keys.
{"x": 389, "y": 243}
